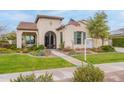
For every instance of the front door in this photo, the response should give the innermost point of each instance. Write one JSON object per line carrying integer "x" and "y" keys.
{"x": 50, "y": 40}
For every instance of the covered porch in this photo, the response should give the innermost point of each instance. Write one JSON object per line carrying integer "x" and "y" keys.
{"x": 27, "y": 34}
{"x": 26, "y": 38}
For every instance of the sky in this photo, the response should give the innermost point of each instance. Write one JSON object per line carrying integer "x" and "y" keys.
{"x": 11, "y": 18}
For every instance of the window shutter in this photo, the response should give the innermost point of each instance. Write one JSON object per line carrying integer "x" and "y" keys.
{"x": 75, "y": 37}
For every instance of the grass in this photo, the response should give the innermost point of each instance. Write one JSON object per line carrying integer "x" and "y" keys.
{"x": 19, "y": 63}
{"x": 103, "y": 58}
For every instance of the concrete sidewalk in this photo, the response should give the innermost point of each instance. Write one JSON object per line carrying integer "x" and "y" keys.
{"x": 59, "y": 74}
{"x": 113, "y": 72}
{"x": 68, "y": 58}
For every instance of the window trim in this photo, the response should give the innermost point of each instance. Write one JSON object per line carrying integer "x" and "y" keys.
{"x": 82, "y": 38}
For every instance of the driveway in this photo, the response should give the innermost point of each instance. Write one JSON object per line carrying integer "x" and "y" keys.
{"x": 118, "y": 49}
{"x": 114, "y": 72}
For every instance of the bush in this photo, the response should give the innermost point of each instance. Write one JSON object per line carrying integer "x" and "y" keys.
{"x": 18, "y": 50}
{"x": 88, "y": 73}
{"x": 41, "y": 47}
{"x": 72, "y": 52}
{"x": 5, "y": 50}
{"x": 13, "y": 46}
{"x": 41, "y": 52}
{"x": 62, "y": 45}
{"x": 35, "y": 47}
{"x": 67, "y": 49}
{"x": 5, "y": 45}
{"x": 107, "y": 48}
{"x": 96, "y": 49}
{"x": 32, "y": 78}
{"x": 25, "y": 50}
{"x": 118, "y": 42}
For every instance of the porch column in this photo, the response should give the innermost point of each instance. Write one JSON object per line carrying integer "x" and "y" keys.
{"x": 37, "y": 39}
{"x": 19, "y": 39}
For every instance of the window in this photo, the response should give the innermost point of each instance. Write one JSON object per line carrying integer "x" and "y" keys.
{"x": 30, "y": 39}
{"x": 61, "y": 37}
{"x": 79, "y": 37}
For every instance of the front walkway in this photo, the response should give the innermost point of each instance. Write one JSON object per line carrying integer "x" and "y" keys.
{"x": 68, "y": 58}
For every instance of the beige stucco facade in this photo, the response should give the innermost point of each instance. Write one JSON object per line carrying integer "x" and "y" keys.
{"x": 50, "y": 24}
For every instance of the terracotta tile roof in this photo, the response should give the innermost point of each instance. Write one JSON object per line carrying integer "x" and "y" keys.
{"x": 49, "y": 17}
{"x": 83, "y": 21}
{"x": 71, "y": 22}
{"x": 27, "y": 26}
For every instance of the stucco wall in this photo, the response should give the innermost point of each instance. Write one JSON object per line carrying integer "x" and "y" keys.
{"x": 68, "y": 33}
{"x": 45, "y": 25}
{"x": 98, "y": 42}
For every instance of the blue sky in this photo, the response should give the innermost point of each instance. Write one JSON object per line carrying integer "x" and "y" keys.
{"x": 11, "y": 18}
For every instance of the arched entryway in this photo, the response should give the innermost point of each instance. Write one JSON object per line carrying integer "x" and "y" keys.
{"x": 50, "y": 40}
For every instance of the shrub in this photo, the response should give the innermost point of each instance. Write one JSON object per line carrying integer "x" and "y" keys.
{"x": 107, "y": 48}
{"x": 35, "y": 47}
{"x": 40, "y": 53}
{"x": 72, "y": 52}
{"x": 5, "y": 45}
{"x": 88, "y": 73}
{"x": 5, "y": 50}
{"x": 18, "y": 50}
{"x": 33, "y": 78}
{"x": 13, "y": 46}
{"x": 41, "y": 47}
{"x": 96, "y": 49}
{"x": 62, "y": 45}
{"x": 25, "y": 50}
{"x": 44, "y": 52}
{"x": 118, "y": 42}
{"x": 67, "y": 49}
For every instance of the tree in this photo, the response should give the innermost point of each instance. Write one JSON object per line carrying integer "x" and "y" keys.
{"x": 11, "y": 35}
{"x": 98, "y": 27}
{"x": 2, "y": 29}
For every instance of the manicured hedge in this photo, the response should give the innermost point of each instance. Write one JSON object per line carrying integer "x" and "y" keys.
{"x": 118, "y": 42}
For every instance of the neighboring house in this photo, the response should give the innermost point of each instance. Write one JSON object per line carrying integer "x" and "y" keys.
{"x": 49, "y": 31}
{"x": 118, "y": 33}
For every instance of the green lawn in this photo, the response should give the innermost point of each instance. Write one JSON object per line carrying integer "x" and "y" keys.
{"x": 19, "y": 63}
{"x": 103, "y": 58}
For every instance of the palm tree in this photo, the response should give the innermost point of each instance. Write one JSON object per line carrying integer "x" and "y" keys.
{"x": 98, "y": 27}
